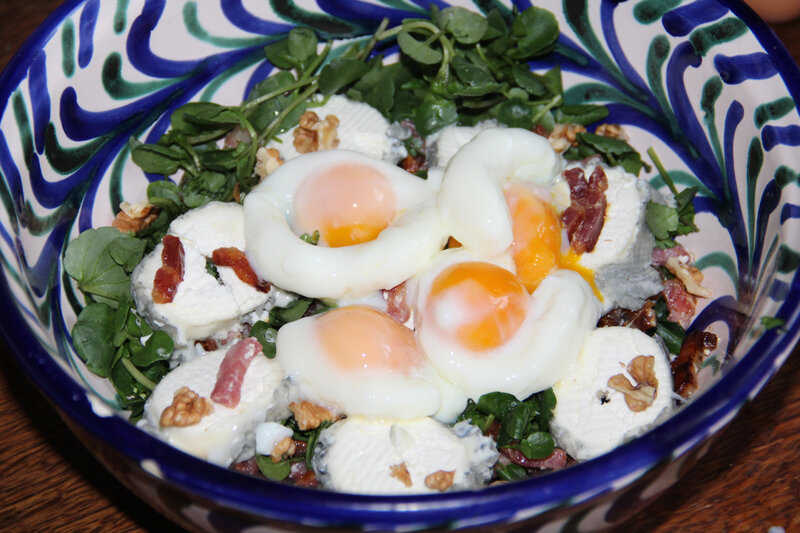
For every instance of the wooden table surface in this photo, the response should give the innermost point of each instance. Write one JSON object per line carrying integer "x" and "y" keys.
{"x": 749, "y": 481}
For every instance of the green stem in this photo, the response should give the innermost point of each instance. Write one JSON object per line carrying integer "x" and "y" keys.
{"x": 364, "y": 54}
{"x": 277, "y": 121}
{"x": 318, "y": 60}
{"x": 138, "y": 376}
{"x": 663, "y": 171}
{"x": 249, "y": 106}
{"x": 555, "y": 102}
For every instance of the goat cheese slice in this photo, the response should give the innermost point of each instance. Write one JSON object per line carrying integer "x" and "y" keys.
{"x": 379, "y": 456}
{"x": 592, "y": 418}
{"x": 204, "y": 306}
{"x": 622, "y": 256}
{"x": 226, "y": 435}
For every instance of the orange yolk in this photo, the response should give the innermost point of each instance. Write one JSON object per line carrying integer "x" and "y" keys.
{"x": 360, "y": 338}
{"x": 348, "y": 203}
{"x": 480, "y": 304}
{"x": 536, "y": 247}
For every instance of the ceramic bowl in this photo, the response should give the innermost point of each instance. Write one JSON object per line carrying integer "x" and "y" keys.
{"x": 703, "y": 82}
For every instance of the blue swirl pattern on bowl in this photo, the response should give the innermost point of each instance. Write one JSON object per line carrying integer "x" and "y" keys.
{"x": 704, "y": 82}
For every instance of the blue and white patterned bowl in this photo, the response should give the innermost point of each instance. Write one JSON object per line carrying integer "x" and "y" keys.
{"x": 704, "y": 82}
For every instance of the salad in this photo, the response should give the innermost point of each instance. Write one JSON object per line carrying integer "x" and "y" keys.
{"x": 403, "y": 276}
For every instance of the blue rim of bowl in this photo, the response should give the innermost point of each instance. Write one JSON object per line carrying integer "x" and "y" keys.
{"x": 684, "y": 430}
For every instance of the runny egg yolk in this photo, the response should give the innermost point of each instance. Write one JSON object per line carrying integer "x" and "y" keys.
{"x": 360, "y": 338}
{"x": 480, "y": 305}
{"x": 536, "y": 247}
{"x": 348, "y": 203}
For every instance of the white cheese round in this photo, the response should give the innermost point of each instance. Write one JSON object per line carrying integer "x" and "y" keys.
{"x": 227, "y": 434}
{"x": 590, "y": 417}
{"x": 359, "y": 455}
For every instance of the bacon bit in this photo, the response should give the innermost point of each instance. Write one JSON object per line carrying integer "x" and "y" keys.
{"x": 690, "y": 276}
{"x": 642, "y": 395}
{"x": 644, "y": 319}
{"x": 398, "y": 308}
{"x": 310, "y": 416}
{"x": 680, "y": 303}
{"x": 400, "y": 473}
{"x": 452, "y": 243}
{"x": 413, "y": 164}
{"x": 170, "y": 274}
{"x": 554, "y": 461}
{"x": 300, "y": 447}
{"x": 135, "y": 217}
{"x": 540, "y": 130}
{"x": 187, "y": 409}
{"x": 440, "y": 480}
{"x": 301, "y": 476}
{"x": 228, "y": 388}
{"x": 237, "y": 260}
{"x": 585, "y": 216}
{"x": 208, "y": 345}
{"x": 249, "y": 466}
{"x": 494, "y": 430}
{"x": 660, "y": 256}
{"x": 267, "y": 161}
{"x": 237, "y": 135}
{"x": 695, "y": 348}
{"x": 283, "y": 448}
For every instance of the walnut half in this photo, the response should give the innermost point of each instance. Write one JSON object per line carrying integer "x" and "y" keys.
{"x": 642, "y": 395}
{"x": 134, "y": 217}
{"x": 400, "y": 473}
{"x": 313, "y": 134}
{"x": 310, "y": 416}
{"x": 187, "y": 409}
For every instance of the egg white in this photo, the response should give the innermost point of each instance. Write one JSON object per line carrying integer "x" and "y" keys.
{"x": 400, "y": 251}
{"x": 562, "y": 311}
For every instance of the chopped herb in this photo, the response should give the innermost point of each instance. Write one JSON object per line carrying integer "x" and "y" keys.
{"x": 666, "y": 222}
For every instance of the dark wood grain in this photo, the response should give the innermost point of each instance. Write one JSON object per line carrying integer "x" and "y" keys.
{"x": 749, "y": 481}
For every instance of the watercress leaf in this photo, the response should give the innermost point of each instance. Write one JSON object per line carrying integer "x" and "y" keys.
{"x": 606, "y": 145}
{"x": 537, "y": 445}
{"x": 418, "y": 50}
{"x": 207, "y": 187}
{"x": 534, "y": 32}
{"x": 274, "y": 471}
{"x": 516, "y": 422}
{"x": 339, "y": 73}
{"x": 279, "y": 55}
{"x": 157, "y": 347}
{"x": 302, "y": 44}
{"x": 120, "y": 320}
{"x": 294, "y": 311}
{"x": 92, "y": 337}
{"x": 126, "y": 252}
{"x": 265, "y": 335}
{"x": 672, "y": 333}
{"x": 165, "y": 194}
{"x": 222, "y": 160}
{"x": 89, "y": 261}
{"x": 661, "y": 219}
{"x": 515, "y": 113}
{"x": 511, "y": 472}
{"x": 632, "y": 163}
{"x": 475, "y": 77}
{"x": 180, "y": 120}
{"x": 466, "y": 27}
{"x": 497, "y": 403}
{"x": 552, "y": 80}
{"x": 529, "y": 81}
{"x": 136, "y": 326}
{"x": 496, "y": 33}
{"x": 581, "y": 114}
{"x": 157, "y": 159}
{"x": 434, "y": 113}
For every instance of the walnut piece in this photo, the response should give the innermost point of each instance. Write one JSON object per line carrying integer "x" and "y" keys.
{"x": 187, "y": 409}
{"x": 642, "y": 395}
{"x": 400, "y": 472}
{"x": 310, "y": 416}
{"x": 690, "y": 276}
{"x": 313, "y": 134}
{"x": 283, "y": 448}
{"x": 440, "y": 480}
{"x": 564, "y": 135}
{"x": 135, "y": 217}
{"x": 615, "y": 131}
{"x": 267, "y": 161}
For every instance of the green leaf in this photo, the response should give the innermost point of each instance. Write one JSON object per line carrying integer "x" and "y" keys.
{"x": 279, "y": 316}
{"x": 126, "y": 252}
{"x": 157, "y": 159}
{"x": 511, "y": 472}
{"x": 92, "y": 337}
{"x": 515, "y": 113}
{"x": 498, "y": 404}
{"x": 581, "y": 114}
{"x": 166, "y": 195}
{"x": 537, "y": 445}
{"x": 466, "y": 27}
{"x": 418, "y": 50}
{"x": 477, "y": 78}
{"x": 274, "y": 471}
{"x": 89, "y": 260}
{"x": 532, "y": 83}
{"x": 266, "y": 336}
{"x": 534, "y": 32}
{"x": 302, "y": 44}
{"x": 207, "y": 187}
{"x": 433, "y": 114}
{"x": 339, "y": 73}
{"x": 313, "y": 238}
{"x": 279, "y": 55}
{"x": 661, "y": 219}
{"x": 516, "y": 421}
{"x": 158, "y": 347}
